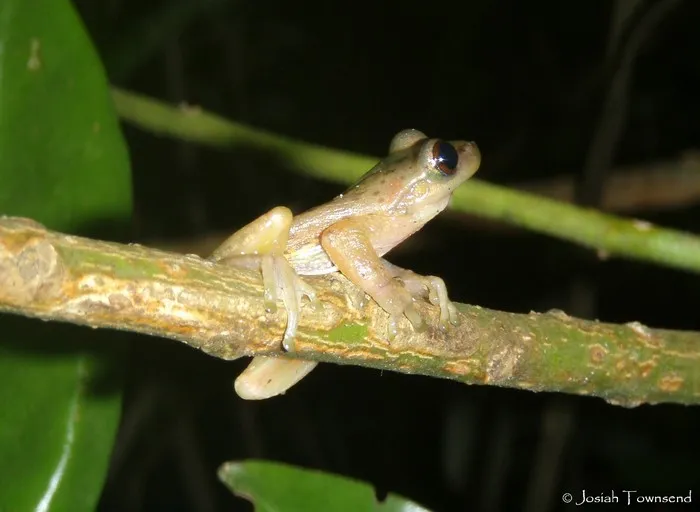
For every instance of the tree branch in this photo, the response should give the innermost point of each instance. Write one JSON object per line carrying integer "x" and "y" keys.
{"x": 220, "y": 310}
{"x": 662, "y": 185}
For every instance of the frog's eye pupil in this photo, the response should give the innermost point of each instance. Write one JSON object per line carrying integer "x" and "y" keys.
{"x": 446, "y": 157}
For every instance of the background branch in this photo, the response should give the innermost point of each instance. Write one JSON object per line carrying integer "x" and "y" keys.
{"x": 662, "y": 185}
{"x": 220, "y": 311}
{"x": 609, "y": 234}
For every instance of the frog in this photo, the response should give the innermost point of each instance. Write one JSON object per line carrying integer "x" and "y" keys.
{"x": 350, "y": 235}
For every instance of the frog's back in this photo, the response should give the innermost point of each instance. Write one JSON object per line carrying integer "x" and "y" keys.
{"x": 374, "y": 194}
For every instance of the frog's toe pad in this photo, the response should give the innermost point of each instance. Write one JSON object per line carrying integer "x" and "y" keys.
{"x": 436, "y": 290}
{"x": 283, "y": 283}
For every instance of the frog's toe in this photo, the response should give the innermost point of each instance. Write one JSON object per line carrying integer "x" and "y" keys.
{"x": 397, "y": 300}
{"x": 270, "y": 282}
{"x": 392, "y": 327}
{"x": 412, "y": 315}
{"x": 282, "y": 282}
{"x": 304, "y": 290}
{"x": 449, "y": 316}
{"x": 437, "y": 295}
{"x": 453, "y": 313}
{"x": 358, "y": 298}
{"x": 290, "y": 293}
{"x": 301, "y": 290}
{"x": 415, "y": 318}
{"x": 437, "y": 291}
{"x": 290, "y": 333}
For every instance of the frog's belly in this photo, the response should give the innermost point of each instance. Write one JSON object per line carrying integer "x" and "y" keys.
{"x": 311, "y": 260}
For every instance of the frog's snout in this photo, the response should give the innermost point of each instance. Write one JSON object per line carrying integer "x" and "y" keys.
{"x": 470, "y": 156}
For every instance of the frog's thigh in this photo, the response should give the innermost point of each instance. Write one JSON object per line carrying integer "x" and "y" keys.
{"x": 266, "y": 377}
{"x": 268, "y": 234}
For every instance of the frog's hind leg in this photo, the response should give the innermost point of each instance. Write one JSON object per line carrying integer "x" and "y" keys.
{"x": 262, "y": 243}
{"x": 266, "y": 377}
{"x": 268, "y": 234}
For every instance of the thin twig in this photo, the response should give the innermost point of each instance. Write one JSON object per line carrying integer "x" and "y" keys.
{"x": 610, "y": 235}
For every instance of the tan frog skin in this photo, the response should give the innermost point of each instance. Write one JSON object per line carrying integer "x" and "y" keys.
{"x": 350, "y": 234}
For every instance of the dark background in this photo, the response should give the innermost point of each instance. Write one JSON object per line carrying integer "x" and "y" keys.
{"x": 530, "y": 82}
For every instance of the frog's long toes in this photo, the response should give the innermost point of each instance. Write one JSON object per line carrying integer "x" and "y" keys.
{"x": 438, "y": 297}
{"x": 305, "y": 290}
{"x": 453, "y": 313}
{"x": 391, "y": 328}
{"x": 270, "y": 283}
{"x": 446, "y": 324}
{"x": 358, "y": 298}
{"x": 288, "y": 343}
{"x": 449, "y": 315}
{"x": 270, "y": 306}
{"x": 445, "y": 317}
{"x": 433, "y": 296}
{"x": 415, "y": 319}
{"x": 290, "y": 288}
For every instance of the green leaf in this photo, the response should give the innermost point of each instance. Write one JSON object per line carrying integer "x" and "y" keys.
{"x": 275, "y": 487}
{"x": 64, "y": 163}
{"x": 62, "y": 157}
{"x": 57, "y": 424}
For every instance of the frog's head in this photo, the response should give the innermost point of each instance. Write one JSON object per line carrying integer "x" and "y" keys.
{"x": 422, "y": 173}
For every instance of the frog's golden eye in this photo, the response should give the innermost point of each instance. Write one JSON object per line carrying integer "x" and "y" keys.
{"x": 445, "y": 157}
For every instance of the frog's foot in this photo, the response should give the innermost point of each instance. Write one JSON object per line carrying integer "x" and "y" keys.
{"x": 358, "y": 298}
{"x": 431, "y": 287}
{"x": 282, "y": 282}
{"x": 437, "y": 295}
{"x": 266, "y": 377}
{"x": 348, "y": 244}
{"x": 395, "y": 299}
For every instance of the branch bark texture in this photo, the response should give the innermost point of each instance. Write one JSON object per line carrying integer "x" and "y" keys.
{"x": 220, "y": 310}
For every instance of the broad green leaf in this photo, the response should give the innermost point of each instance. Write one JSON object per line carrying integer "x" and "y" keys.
{"x": 62, "y": 157}
{"x": 57, "y": 423}
{"x": 63, "y": 162}
{"x": 275, "y": 487}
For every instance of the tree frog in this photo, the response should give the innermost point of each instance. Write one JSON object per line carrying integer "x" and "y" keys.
{"x": 350, "y": 234}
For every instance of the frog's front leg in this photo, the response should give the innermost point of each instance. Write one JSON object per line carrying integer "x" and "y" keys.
{"x": 260, "y": 245}
{"x": 348, "y": 245}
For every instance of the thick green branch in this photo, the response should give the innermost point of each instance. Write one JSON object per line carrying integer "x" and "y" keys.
{"x": 610, "y": 235}
{"x": 220, "y": 310}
